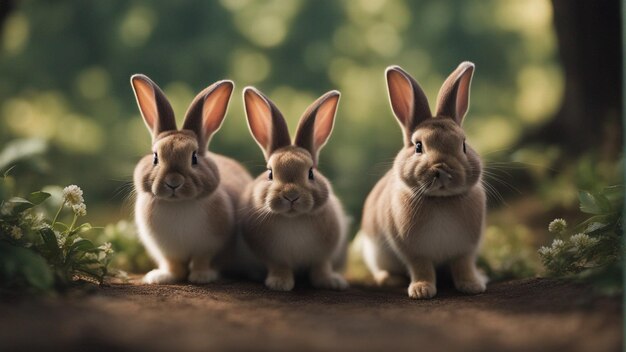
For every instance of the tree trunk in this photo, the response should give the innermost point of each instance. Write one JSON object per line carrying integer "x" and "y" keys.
{"x": 589, "y": 43}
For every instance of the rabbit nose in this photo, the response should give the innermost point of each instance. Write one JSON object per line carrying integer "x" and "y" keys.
{"x": 291, "y": 196}
{"x": 174, "y": 181}
{"x": 443, "y": 175}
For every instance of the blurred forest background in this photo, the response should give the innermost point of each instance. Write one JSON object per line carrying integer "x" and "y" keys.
{"x": 545, "y": 108}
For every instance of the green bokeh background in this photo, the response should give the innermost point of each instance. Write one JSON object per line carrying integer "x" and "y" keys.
{"x": 65, "y": 68}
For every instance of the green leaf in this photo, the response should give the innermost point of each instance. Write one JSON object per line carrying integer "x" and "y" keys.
{"x": 82, "y": 245}
{"x": 38, "y": 197}
{"x": 20, "y": 204}
{"x": 27, "y": 264}
{"x": 588, "y": 203}
{"x": 51, "y": 244}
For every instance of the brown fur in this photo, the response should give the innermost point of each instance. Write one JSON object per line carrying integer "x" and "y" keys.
{"x": 186, "y": 198}
{"x": 430, "y": 207}
{"x": 291, "y": 221}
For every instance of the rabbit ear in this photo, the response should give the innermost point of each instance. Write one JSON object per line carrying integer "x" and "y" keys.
{"x": 266, "y": 123}
{"x": 408, "y": 100}
{"x": 207, "y": 111}
{"x": 454, "y": 95}
{"x": 155, "y": 109}
{"x": 317, "y": 123}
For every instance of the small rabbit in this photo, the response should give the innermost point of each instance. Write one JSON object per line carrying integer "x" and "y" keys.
{"x": 291, "y": 218}
{"x": 430, "y": 207}
{"x": 186, "y": 197}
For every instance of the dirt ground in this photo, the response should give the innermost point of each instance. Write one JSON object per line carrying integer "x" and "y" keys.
{"x": 522, "y": 315}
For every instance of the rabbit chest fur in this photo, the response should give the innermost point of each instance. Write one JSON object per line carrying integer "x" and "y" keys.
{"x": 299, "y": 242}
{"x": 184, "y": 229}
{"x": 440, "y": 228}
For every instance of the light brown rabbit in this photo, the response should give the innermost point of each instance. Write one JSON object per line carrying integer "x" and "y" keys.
{"x": 429, "y": 208}
{"x": 291, "y": 218}
{"x": 186, "y": 198}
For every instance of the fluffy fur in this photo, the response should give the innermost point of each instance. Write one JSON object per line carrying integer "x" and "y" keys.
{"x": 429, "y": 208}
{"x": 290, "y": 217}
{"x": 186, "y": 198}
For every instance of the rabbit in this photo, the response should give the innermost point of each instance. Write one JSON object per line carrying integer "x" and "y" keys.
{"x": 186, "y": 197}
{"x": 429, "y": 209}
{"x": 291, "y": 219}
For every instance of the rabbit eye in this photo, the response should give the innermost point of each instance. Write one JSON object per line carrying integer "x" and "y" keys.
{"x": 155, "y": 160}
{"x": 311, "y": 174}
{"x": 464, "y": 148}
{"x": 269, "y": 175}
{"x": 194, "y": 158}
{"x": 418, "y": 147}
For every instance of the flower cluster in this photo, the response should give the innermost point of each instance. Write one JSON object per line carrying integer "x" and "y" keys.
{"x": 557, "y": 226}
{"x": 52, "y": 254}
{"x": 73, "y": 197}
{"x": 570, "y": 255}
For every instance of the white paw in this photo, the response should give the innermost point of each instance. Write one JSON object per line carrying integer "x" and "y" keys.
{"x": 383, "y": 278}
{"x": 279, "y": 283}
{"x": 203, "y": 276}
{"x": 422, "y": 290}
{"x": 471, "y": 287}
{"x": 333, "y": 281}
{"x": 160, "y": 276}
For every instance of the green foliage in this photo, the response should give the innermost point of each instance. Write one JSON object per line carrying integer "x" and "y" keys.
{"x": 592, "y": 250}
{"x": 507, "y": 253}
{"x": 130, "y": 254}
{"x": 39, "y": 254}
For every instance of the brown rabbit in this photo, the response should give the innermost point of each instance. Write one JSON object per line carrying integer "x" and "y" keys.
{"x": 186, "y": 198}
{"x": 430, "y": 207}
{"x": 291, "y": 218}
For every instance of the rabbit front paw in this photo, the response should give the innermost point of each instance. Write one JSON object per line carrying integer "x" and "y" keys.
{"x": 422, "y": 290}
{"x": 203, "y": 276}
{"x": 333, "y": 281}
{"x": 279, "y": 283}
{"x": 471, "y": 287}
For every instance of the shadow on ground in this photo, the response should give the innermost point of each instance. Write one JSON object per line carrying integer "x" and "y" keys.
{"x": 522, "y": 315}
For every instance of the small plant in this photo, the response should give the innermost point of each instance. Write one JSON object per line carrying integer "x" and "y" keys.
{"x": 40, "y": 254}
{"x": 593, "y": 249}
{"x": 130, "y": 254}
{"x": 508, "y": 253}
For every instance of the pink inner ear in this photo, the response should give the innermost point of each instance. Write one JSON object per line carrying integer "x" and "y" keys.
{"x": 146, "y": 100}
{"x": 462, "y": 96}
{"x": 401, "y": 95}
{"x": 259, "y": 114}
{"x": 214, "y": 108}
{"x": 324, "y": 121}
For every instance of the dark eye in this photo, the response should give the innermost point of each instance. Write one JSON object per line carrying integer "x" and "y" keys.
{"x": 194, "y": 158}
{"x": 311, "y": 174}
{"x": 155, "y": 160}
{"x": 269, "y": 175}
{"x": 464, "y": 148}
{"x": 418, "y": 147}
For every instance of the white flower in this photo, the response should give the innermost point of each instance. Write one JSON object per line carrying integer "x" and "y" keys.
{"x": 16, "y": 232}
{"x": 73, "y": 195}
{"x": 106, "y": 248}
{"x": 557, "y": 226}
{"x": 80, "y": 209}
{"x": 582, "y": 240}
{"x": 545, "y": 251}
{"x": 557, "y": 246}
